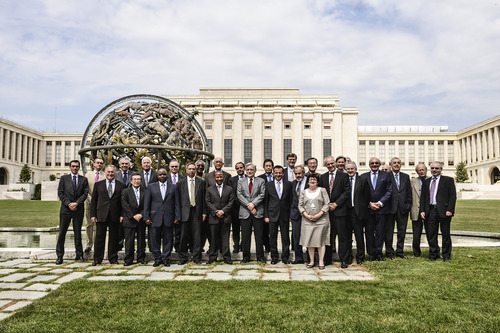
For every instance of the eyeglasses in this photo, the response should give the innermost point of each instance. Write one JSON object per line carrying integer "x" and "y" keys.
{"x": 435, "y": 168}
{"x": 174, "y": 166}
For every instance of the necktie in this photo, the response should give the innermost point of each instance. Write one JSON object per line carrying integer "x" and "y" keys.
{"x": 433, "y": 188}
{"x": 96, "y": 179}
{"x": 125, "y": 177}
{"x": 174, "y": 179}
{"x": 352, "y": 194}
{"x": 146, "y": 178}
{"x": 374, "y": 182}
{"x": 299, "y": 187}
{"x": 278, "y": 187}
{"x": 332, "y": 178}
{"x": 219, "y": 187}
{"x": 110, "y": 189}
{"x": 292, "y": 175}
{"x": 193, "y": 202}
{"x": 138, "y": 196}
{"x": 397, "y": 179}
{"x": 250, "y": 186}
{"x": 163, "y": 191}
{"x": 74, "y": 185}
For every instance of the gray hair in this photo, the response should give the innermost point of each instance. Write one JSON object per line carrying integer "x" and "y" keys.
{"x": 250, "y": 164}
{"x": 110, "y": 166}
{"x": 352, "y": 163}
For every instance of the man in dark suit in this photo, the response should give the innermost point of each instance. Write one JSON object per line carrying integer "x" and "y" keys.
{"x": 437, "y": 206}
{"x": 416, "y": 219}
{"x": 235, "y": 209}
{"x": 162, "y": 211}
{"x": 133, "y": 223}
{"x": 380, "y": 206}
{"x": 400, "y": 208}
{"x": 268, "y": 177}
{"x": 191, "y": 192}
{"x": 173, "y": 178}
{"x": 289, "y": 172}
{"x": 277, "y": 203}
{"x": 357, "y": 209}
{"x": 251, "y": 193}
{"x": 148, "y": 175}
{"x": 218, "y": 164}
{"x": 73, "y": 189}
{"x": 336, "y": 184}
{"x": 219, "y": 200}
{"x": 200, "y": 169}
{"x": 298, "y": 185}
{"x": 106, "y": 209}
{"x": 123, "y": 175}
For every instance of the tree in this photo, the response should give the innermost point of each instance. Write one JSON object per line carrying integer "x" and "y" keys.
{"x": 461, "y": 173}
{"x": 25, "y": 175}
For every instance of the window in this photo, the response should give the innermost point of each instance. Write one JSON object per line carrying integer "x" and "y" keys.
{"x": 288, "y": 125}
{"x": 48, "y": 154}
{"x": 67, "y": 153}
{"x": 450, "y": 153}
{"x": 327, "y": 147}
{"x": 228, "y": 125}
{"x": 58, "y": 153}
{"x": 327, "y": 126}
{"x": 267, "y": 126}
{"x": 371, "y": 149}
{"x": 402, "y": 152}
{"x": 362, "y": 153}
{"x": 268, "y": 148}
{"x": 307, "y": 125}
{"x": 247, "y": 151}
{"x": 441, "y": 151}
{"x": 421, "y": 152}
{"x": 208, "y": 125}
{"x": 287, "y": 149}
{"x": 248, "y": 125}
{"x": 430, "y": 151}
{"x": 411, "y": 153}
{"x": 209, "y": 145}
{"x": 381, "y": 152}
{"x": 228, "y": 151}
{"x": 392, "y": 149}
{"x": 307, "y": 149}
{"x": 77, "y": 148}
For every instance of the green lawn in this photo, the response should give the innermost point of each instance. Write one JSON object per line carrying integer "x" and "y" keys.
{"x": 471, "y": 215}
{"x": 408, "y": 296}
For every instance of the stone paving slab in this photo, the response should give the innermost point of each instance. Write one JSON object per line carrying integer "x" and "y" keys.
{"x": 142, "y": 270}
{"x": 249, "y": 266}
{"x": 71, "y": 277}
{"x": 26, "y": 265}
{"x": 160, "y": 276}
{"x": 298, "y": 266}
{"x": 42, "y": 286}
{"x": 93, "y": 268}
{"x": 198, "y": 267}
{"x": 43, "y": 278}
{"x": 196, "y": 271}
{"x": 248, "y": 272}
{"x": 10, "y": 263}
{"x": 8, "y": 285}
{"x": 17, "y": 294}
{"x": 246, "y": 277}
{"x": 173, "y": 267}
{"x": 78, "y": 265}
{"x": 51, "y": 265}
{"x": 39, "y": 269}
{"x": 188, "y": 277}
{"x": 4, "y": 303}
{"x": 61, "y": 270}
{"x": 276, "y": 276}
{"x": 304, "y": 277}
{"x": 334, "y": 277}
{"x": 15, "y": 277}
{"x": 117, "y": 278}
{"x": 223, "y": 268}
{"x": 276, "y": 269}
{"x": 17, "y": 306}
{"x": 4, "y": 315}
{"x": 218, "y": 276}
{"x": 112, "y": 271}
{"x": 7, "y": 271}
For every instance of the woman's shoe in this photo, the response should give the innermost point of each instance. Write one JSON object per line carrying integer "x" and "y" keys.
{"x": 310, "y": 266}
{"x": 321, "y": 267}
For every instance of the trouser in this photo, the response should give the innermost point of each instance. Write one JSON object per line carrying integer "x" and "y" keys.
{"x": 265, "y": 237}
{"x": 246, "y": 234}
{"x": 374, "y": 233}
{"x": 219, "y": 236}
{"x": 297, "y": 248}
{"x": 236, "y": 226}
{"x": 434, "y": 223}
{"x": 401, "y": 220}
{"x": 159, "y": 234}
{"x": 130, "y": 235}
{"x": 344, "y": 233}
{"x": 90, "y": 227}
{"x": 330, "y": 249}
{"x": 64, "y": 221}
{"x": 284, "y": 227}
{"x": 417, "y": 227}
{"x": 191, "y": 230}
{"x": 358, "y": 227}
{"x": 100, "y": 240}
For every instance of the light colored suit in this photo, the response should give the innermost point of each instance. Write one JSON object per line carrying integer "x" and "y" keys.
{"x": 415, "y": 191}
{"x": 90, "y": 227}
{"x": 257, "y": 197}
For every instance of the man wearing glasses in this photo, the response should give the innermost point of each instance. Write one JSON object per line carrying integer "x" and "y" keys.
{"x": 72, "y": 191}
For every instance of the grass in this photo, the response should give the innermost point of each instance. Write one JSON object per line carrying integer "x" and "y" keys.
{"x": 408, "y": 295}
{"x": 471, "y": 215}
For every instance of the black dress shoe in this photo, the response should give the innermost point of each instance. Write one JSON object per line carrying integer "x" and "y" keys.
{"x": 183, "y": 262}
{"x": 343, "y": 265}
{"x": 245, "y": 260}
{"x": 95, "y": 263}
{"x": 59, "y": 261}
{"x": 440, "y": 256}
{"x": 371, "y": 258}
{"x": 402, "y": 256}
{"x": 166, "y": 263}
{"x": 297, "y": 262}
{"x": 286, "y": 262}
{"x": 446, "y": 259}
{"x": 157, "y": 263}
{"x": 114, "y": 262}
{"x": 228, "y": 262}
{"x": 379, "y": 258}
{"x": 88, "y": 249}
{"x": 390, "y": 256}
{"x": 236, "y": 251}
{"x": 78, "y": 258}
{"x": 127, "y": 264}
{"x": 210, "y": 261}
{"x": 431, "y": 259}
{"x": 349, "y": 261}
{"x": 359, "y": 262}
{"x": 142, "y": 262}
{"x": 274, "y": 262}
{"x": 197, "y": 261}
{"x": 416, "y": 255}
{"x": 262, "y": 260}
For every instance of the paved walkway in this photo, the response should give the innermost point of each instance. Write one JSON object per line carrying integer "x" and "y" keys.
{"x": 22, "y": 281}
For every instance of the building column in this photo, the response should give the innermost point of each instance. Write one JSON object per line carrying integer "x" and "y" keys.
{"x": 25, "y": 151}
{"x": 496, "y": 140}
{"x": 469, "y": 150}
{"x": 479, "y": 147}
{"x": 407, "y": 155}
{"x": 490, "y": 143}
{"x": 445, "y": 155}
{"x": 1, "y": 141}
{"x": 7, "y": 143}
{"x": 35, "y": 154}
{"x": 484, "y": 145}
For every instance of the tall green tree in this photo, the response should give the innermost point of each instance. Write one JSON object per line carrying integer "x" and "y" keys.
{"x": 25, "y": 175}
{"x": 461, "y": 175}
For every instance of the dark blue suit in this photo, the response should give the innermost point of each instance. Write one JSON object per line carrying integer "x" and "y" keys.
{"x": 374, "y": 231}
{"x": 162, "y": 214}
{"x": 296, "y": 223}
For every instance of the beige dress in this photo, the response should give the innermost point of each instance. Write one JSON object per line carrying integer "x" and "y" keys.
{"x": 314, "y": 234}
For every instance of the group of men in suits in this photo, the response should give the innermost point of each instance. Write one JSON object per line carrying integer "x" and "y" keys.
{"x": 182, "y": 212}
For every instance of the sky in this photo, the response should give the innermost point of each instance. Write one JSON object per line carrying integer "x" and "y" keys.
{"x": 398, "y": 62}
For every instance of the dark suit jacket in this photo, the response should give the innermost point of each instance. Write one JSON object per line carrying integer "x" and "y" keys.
{"x": 382, "y": 192}
{"x": 264, "y": 176}
{"x": 102, "y": 205}
{"x": 67, "y": 195}
{"x": 233, "y": 183}
{"x": 179, "y": 178}
{"x": 285, "y": 174}
{"x": 361, "y": 197}
{"x": 401, "y": 199}
{"x": 216, "y": 202}
{"x": 210, "y": 180}
{"x": 153, "y": 178}
{"x": 294, "y": 208}
{"x": 276, "y": 209}
{"x": 130, "y": 206}
{"x": 185, "y": 200}
{"x": 340, "y": 191}
{"x": 446, "y": 196}
{"x": 119, "y": 176}
{"x": 162, "y": 212}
